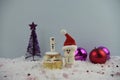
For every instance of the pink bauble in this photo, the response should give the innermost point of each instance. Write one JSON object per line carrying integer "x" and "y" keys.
{"x": 106, "y": 51}
{"x": 80, "y": 54}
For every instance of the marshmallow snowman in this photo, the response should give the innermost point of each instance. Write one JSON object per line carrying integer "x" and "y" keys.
{"x": 69, "y": 49}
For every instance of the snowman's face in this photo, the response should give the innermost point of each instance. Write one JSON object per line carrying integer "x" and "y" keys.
{"x": 69, "y": 51}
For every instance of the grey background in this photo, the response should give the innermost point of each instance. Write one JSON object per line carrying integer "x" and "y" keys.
{"x": 90, "y": 22}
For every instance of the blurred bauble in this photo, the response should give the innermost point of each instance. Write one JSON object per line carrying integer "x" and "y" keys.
{"x": 98, "y": 55}
{"x": 106, "y": 51}
{"x": 80, "y": 54}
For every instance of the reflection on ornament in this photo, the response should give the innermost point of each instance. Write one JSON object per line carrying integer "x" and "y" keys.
{"x": 106, "y": 51}
{"x": 80, "y": 54}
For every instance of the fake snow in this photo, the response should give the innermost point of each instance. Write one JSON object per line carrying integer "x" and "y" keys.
{"x": 21, "y": 69}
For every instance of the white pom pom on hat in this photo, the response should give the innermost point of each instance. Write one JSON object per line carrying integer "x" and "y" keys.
{"x": 63, "y": 31}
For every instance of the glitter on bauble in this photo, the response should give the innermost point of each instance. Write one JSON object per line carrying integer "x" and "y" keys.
{"x": 98, "y": 55}
{"x": 80, "y": 54}
{"x": 106, "y": 51}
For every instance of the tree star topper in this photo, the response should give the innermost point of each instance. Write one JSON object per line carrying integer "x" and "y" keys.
{"x": 32, "y": 26}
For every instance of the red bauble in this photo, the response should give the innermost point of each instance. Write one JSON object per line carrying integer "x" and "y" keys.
{"x": 98, "y": 55}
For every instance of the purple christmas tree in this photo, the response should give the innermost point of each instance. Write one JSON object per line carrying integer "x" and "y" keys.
{"x": 33, "y": 48}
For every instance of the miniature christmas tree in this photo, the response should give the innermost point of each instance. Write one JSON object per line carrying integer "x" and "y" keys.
{"x": 33, "y": 48}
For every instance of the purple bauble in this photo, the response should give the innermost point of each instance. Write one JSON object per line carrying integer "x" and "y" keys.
{"x": 80, "y": 54}
{"x": 106, "y": 51}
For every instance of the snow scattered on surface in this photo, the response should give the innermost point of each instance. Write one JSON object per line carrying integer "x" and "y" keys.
{"x": 21, "y": 69}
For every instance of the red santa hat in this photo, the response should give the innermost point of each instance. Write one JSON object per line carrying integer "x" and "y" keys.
{"x": 69, "y": 42}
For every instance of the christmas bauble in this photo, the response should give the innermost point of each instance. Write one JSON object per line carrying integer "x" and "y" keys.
{"x": 98, "y": 55}
{"x": 106, "y": 51}
{"x": 80, "y": 54}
